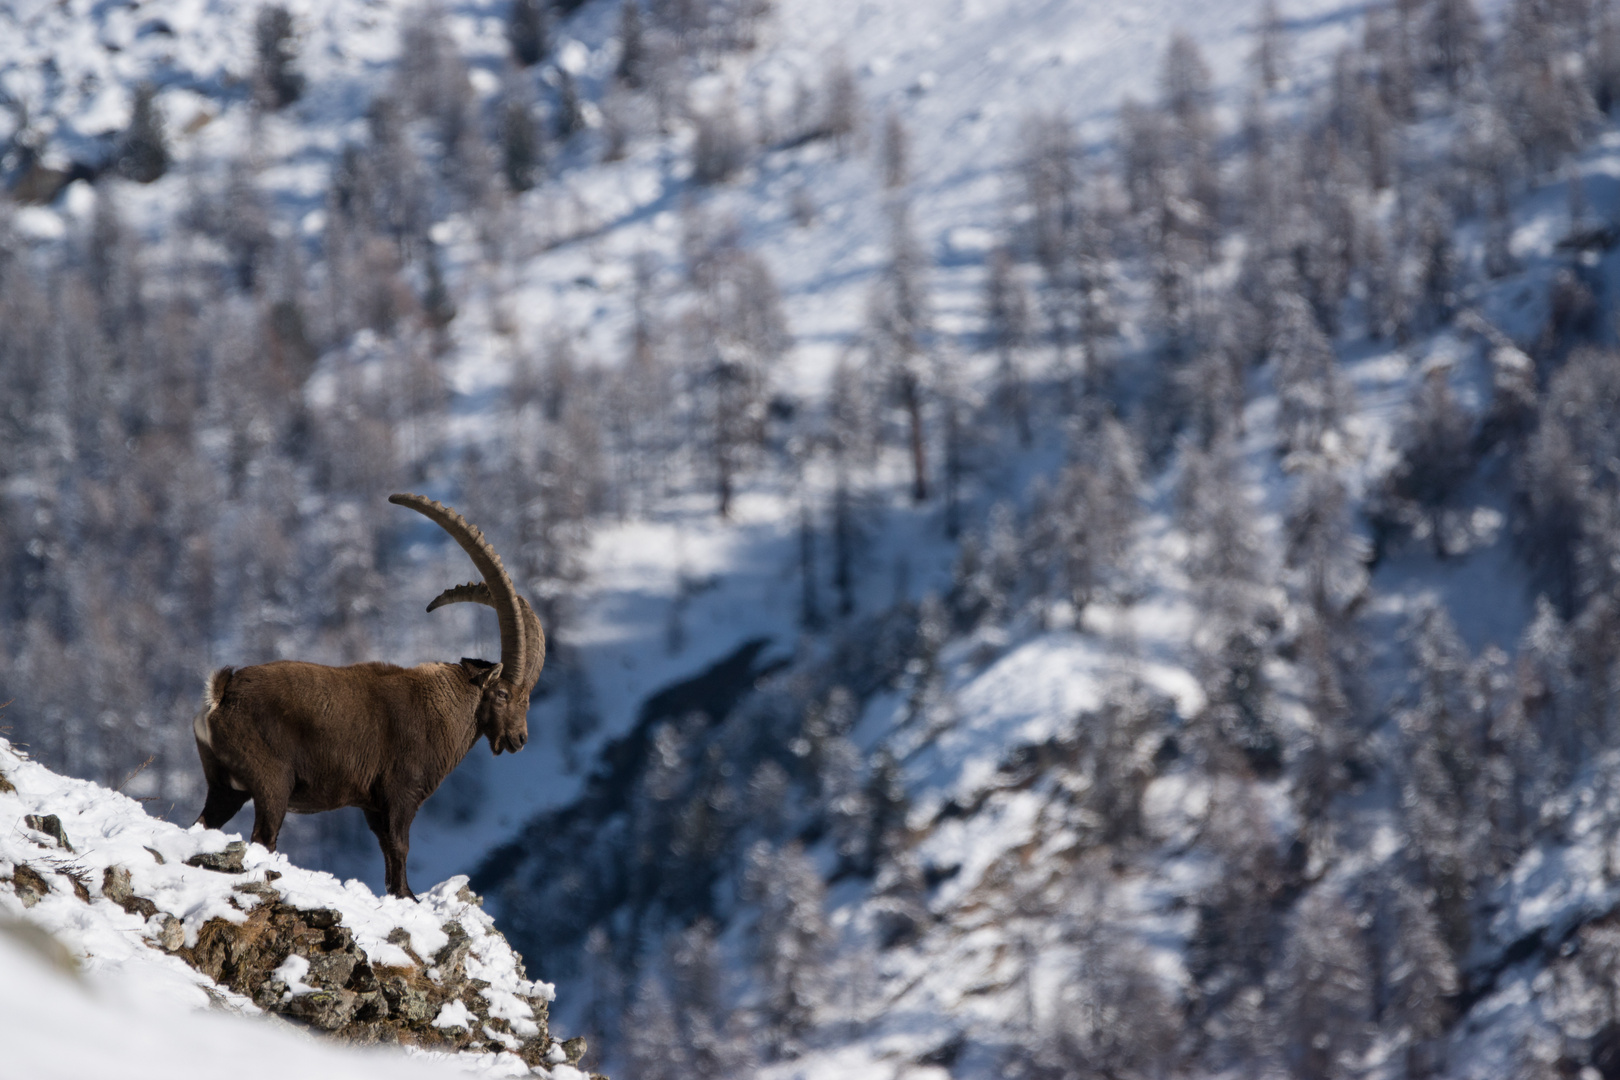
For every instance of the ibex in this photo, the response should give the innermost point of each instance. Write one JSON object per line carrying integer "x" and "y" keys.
{"x": 304, "y": 737}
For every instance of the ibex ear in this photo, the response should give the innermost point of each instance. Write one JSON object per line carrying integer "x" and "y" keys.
{"x": 480, "y": 672}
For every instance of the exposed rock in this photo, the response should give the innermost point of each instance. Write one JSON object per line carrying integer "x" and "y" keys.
{"x": 171, "y": 933}
{"x": 574, "y": 1049}
{"x": 51, "y": 826}
{"x": 29, "y": 886}
{"x": 6, "y": 786}
{"x": 115, "y": 886}
{"x": 353, "y": 999}
{"x": 228, "y": 861}
{"x": 328, "y": 1010}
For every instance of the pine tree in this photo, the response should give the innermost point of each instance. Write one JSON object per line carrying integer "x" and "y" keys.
{"x": 527, "y": 31}
{"x": 841, "y": 103}
{"x": 1325, "y": 994}
{"x": 1006, "y": 309}
{"x": 898, "y": 328}
{"x": 896, "y": 152}
{"x": 279, "y": 85}
{"x": 791, "y": 936}
{"x": 521, "y": 153}
{"x": 568, "y": 119}
{"x": 1268, "y": 45}
{"x": 1436, "y": 445}
{"x": 1420, "y": 973}
{"x": 720, "y": 148}
{"x": 1443, "y": 743}
{"x": 143, "y": 152}
{"x": 1082, "y": 528}
{"x": 1453, "y": 40}
{"x": 1312, "y": 405}
{"x": 632, "y": 46}
{"x": 1235, "y": 940}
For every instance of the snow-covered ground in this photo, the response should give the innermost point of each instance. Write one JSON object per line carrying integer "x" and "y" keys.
{"x": 86, "y": 989}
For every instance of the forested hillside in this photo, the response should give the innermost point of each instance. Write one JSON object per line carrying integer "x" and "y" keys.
{"x": 1075, "y": 541}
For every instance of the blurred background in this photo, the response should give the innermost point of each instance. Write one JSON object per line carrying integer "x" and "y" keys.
{"x": 1076, "y": 539}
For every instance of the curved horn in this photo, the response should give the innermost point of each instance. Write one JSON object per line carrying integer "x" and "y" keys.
{"x": 476, "y": 592}
{"x": 502, "y": 596}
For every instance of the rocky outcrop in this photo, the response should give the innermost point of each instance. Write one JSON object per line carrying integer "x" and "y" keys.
{"x": 304, "y": 965}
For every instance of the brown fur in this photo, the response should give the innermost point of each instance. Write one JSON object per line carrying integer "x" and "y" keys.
{"x": 304, "y": 737}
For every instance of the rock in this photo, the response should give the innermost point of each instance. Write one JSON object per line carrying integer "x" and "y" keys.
{"x": 331, "y": 969}
{"x": 268, "y": 893}
{"x": 269, "y": 993}
{"x": 51, "y": 826}
{"x": 372, "y": 1006}
{"x": 574, "y": 1050}
{"x": 452, "y": 959}
{"x": 406, "y": 1002}
{"x": 6, "y": 786}
{"x": 465, "y": 895}
{"x": 322, "y": 918}
{"x": 364, "y": 978}
{"x": 115, "y": 886}
{"x": 325, "y": 1009}
{"x": 228, "y": 861}
{"x": 28, "y": 885}
{"x": 353, "y": 1000}
{"x": 171, "y": 934}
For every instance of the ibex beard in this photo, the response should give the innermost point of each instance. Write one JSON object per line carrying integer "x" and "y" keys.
{"x": 306, "y": 737}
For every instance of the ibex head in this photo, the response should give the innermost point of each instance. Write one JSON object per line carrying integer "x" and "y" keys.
{"x": 503, "y": 710}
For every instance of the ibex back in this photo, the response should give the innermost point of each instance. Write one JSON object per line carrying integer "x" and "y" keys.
{"x": 305, "y": 737}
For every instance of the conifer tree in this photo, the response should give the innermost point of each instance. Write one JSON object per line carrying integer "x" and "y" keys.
{"x": 521, "y": 152}
{"x": 632, "y": 46}
{"x": 1326, "y": 997}
{"x": 527, "y": 31}
{"x": 143, "y": 153}
{"x": 898, "y": 326}
{"x": 279, "y": 85}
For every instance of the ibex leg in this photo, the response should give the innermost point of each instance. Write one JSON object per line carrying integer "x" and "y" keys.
{"x": 392, "y": 826}
{"x": 224, "y": 798}
{"x": 269, "y": 808}
{"x": 220, "y": 806}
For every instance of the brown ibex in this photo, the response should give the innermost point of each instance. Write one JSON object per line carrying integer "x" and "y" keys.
{"x": 304, "y": 737}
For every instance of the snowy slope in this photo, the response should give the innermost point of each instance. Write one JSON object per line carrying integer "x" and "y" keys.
{"x": 88, "y": 986}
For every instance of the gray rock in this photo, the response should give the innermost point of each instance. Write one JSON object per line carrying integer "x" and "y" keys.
{"x": 228, "y": 861}
{"x": 406, "y": 1002}
{"x": 115, "y": 886}
{"x": 371, "y": 1006}
{"x": 331, "y": 969}
{"x": 50, "y": 825}
{"x": 171, "y": 933}
{"x": 266, "y": 892}
{"x": 574, "y": 1049}
{"x": 269, "y": 993}
{"x": 321, "y": 918}
{"x": 325, "y": 1009}
{"x": 452, "y": 959}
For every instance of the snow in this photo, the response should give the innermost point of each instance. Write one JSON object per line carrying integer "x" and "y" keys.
{"x": 85, "y": 991}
